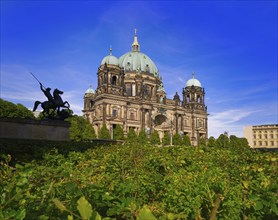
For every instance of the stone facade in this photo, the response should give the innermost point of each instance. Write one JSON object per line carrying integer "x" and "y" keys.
{"x": 130, "y": 93}
{"x": 262, "y": 136}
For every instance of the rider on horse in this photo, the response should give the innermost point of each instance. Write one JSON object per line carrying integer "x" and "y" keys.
{"x": 48, "y": 94}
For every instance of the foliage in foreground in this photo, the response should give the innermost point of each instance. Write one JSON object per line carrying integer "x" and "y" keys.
{"x": 121, "y": 181}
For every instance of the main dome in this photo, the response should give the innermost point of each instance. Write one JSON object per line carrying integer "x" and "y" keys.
{"x": 137, "y": 61}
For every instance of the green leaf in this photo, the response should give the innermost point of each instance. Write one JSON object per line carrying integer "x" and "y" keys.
{"x": 84, "y": 208}
{"x": 59, "y": 204}
{"x": 20, "y": 214}
{"x": 96, "y": 216}
{"x": 258, "y": 206}
{"x": 70, "y": 217}
{"x": 145, "y": 213}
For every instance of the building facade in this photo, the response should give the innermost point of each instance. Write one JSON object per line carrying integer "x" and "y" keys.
{"x": 130, "y": 93}
{"x": 262, "y": 136}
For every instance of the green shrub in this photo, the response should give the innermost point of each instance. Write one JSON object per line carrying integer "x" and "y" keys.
{"x": 142, "y": 137}
{"x": 118, "y": 133}
{"x": 167, "y": 138}
{"x": 141, "y": 182}
{"x": 154, "y": 138}
{"x": 104, "y": 133}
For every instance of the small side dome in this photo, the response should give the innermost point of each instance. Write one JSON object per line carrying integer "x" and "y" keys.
{"x": 193, "y": 82}
{"x": 110, "y": 59}
{"x": 90, "y": 91}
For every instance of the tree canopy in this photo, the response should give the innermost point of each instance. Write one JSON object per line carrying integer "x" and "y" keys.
{"x": 154, "y": 138}
{"x": 104, "y": 133}
{"x": 118, "y": 133}
{"x": 11, "y": 110}
{"x": 142, "y": 137}
{"x": 80, "y": 129}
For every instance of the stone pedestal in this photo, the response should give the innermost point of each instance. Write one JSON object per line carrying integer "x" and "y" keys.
{"x": 34, "y": 129}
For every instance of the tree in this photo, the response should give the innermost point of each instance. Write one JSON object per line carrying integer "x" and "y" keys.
{"x": 166, "y": 140}
{"x": 11, "y": 110}
{"x": 177, "y": 139}
{"x": 186, "y": 140}
{"x": 131, "y": 136}
{"x": 236, "y": 142}
{"x": 142, "y": 137}
{"x": 202, "y": 142}
{"x": 80, "y": 129}
{"x": 118, "y": 133}
{"x": 154, "y": 138}
{"x": 222, "y": 141}
{"x": 211, "y": 142}
{"x": 104, "y": 133}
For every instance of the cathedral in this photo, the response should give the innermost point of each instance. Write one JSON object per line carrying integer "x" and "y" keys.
{"x": 130, "y": 93}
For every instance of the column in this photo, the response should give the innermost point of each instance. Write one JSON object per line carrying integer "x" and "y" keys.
{"x": 177, "y": 122}
{"x": 104, "y": 113}
{"x": 143, "y": 119}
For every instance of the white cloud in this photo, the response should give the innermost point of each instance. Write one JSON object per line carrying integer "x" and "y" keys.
{"x": 229, "y": 120}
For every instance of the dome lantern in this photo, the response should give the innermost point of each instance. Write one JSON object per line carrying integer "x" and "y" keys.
{"x": 135, "y": 46}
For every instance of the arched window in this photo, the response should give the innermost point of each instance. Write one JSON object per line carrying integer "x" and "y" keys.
{"x": 114, "y": 80}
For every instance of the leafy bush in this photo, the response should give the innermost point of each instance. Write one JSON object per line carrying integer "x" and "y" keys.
{"x": 186, "y": 140}
{"x": 142, "y": 182}
{"x": 131, "y": 136}
{"x": 118, "y": 133}
{"x": 104, "y": 133}
{"x": 167, "y": 139}
{"x": 177, "y": 139}
{"x": 142, "y": 137}
{"x": 154, "y": 138}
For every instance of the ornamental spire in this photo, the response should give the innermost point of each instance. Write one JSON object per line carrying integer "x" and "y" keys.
{"x": 135, "y": 45}
{"x": 110, "y": 50}
{"x": 193, "y": 75}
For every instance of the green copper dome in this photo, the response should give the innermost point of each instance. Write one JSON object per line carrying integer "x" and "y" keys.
{"x": 110, "y": 59}
{"x": 137, "y": 61}
{"x": 193, "y": 82}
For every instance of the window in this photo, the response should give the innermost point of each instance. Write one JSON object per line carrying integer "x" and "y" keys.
{"x": 265, "y": 143}
{"x": 265, "y": 136}
{"x": 254, "y": 143}
{"x": 260, "y": 143}
{"x": 114, "y": 80}
{"x": 132, "y": 116}
{"x": 272, "y": 143}
{"x": 114, "y": 113}
{"x": 128, "y": 89}
{"x": 271, "y": 136}
{"x": 254, "y": 136}
{"x": 91, "y": 103}
{"x": 260, "y": 136}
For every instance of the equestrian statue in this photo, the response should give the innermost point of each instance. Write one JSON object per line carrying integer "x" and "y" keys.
{"x": 54, "y": 102}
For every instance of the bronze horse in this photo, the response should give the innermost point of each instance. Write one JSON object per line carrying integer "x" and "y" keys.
{"x": 55, "y": 105}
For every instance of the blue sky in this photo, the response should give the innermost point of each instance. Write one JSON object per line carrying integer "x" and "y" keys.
{"x": 230, "y": 45}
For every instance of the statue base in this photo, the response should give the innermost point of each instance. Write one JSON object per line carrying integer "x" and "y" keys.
{"x": 34, "y": 129}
